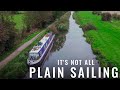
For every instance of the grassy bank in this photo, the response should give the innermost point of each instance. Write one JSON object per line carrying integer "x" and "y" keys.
{"x": 61, "y": 24}
{"x": 17, "y": 68}
{"x": 105, "y": 40}
{"x": 6, "y": 53}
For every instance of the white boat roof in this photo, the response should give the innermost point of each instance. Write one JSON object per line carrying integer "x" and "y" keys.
{"x": 37, "y": 48}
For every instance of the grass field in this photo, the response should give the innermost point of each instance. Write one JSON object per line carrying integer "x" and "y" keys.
{"x": 17, "y": 68}
{"x": 18, "y": 19}
{"x": 105, "y": 40}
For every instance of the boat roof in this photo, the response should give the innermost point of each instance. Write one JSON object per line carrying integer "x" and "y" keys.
{"x": 37, "y": 48}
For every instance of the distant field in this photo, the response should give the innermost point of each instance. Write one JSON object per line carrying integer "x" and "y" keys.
{"x": 105, "y": 40}
{"x": 18, "y": 19}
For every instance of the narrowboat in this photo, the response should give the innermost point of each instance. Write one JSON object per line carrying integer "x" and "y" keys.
{"x": 37, "y": 54}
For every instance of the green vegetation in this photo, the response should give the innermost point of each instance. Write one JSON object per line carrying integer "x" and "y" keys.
{"x": 17, "y": 68}
{"x": 17, "y": 25}
{"x": 7, "y": 32}
{"x": 6, "y": 53}
{"x": 88, "y": 26}
{"x": 62, "y": 24}
{"x": 18, "y": 20}
{"x": 105, "y": 40}
{"x": 116, "y": 16}
{"x": 106, "y": 17}
{"x": 97, "y": 12}
{"x": 41, "y": 19}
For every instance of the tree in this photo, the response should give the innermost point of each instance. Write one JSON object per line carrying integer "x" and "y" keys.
{"x": 41, "y": 19}
{"x": 14, "y": 12}
{"x": 7, "y": 33}
{"x": 58, "y": 14}
{"x": 37, "y": 19}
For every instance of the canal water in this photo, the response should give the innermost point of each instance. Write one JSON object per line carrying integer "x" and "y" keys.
{"x": 69, "y": 46}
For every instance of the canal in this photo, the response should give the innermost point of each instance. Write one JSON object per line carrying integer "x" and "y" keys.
{"x": 70, "y": 45}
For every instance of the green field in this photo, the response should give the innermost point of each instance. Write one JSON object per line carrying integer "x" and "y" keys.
{"x": 17, "y": 68}
{"x": 105, "y": 40}
{"x": 18, "y": 19}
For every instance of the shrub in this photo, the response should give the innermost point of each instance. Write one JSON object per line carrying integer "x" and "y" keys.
{"x": 106, "y": 17}
{"x": 97, "y": 12}
{"x": 116, "y": 16}
{"x": 18, "y": 69}
{"x": 88, "y": 26}
{"x": 62, "y": 27}
{"x": 26, "y": 53}
{"x": 53, "y": 28}
{"x": 21, "y": 57}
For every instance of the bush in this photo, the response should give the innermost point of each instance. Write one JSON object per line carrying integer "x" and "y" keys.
{"x": 7, "y": 33}
{"x": 116, "y": 16}
{"x": 53, "y": 28}
{"x": 26, "y": 53}
{"x": 62, "y": 27}
{"x": 58, "y": 14}
{"x": 17, "y": 71}
{"x": 88, "y": 26}
{"x": 22, "y": 57}
{"x": 97, "y": 12}
{"x": 106, "y": 17}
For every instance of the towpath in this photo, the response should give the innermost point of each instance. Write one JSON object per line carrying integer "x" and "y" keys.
{"x": 17, "y": 52}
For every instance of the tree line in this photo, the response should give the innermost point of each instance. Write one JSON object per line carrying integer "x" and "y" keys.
{"x": 32, "y": 20}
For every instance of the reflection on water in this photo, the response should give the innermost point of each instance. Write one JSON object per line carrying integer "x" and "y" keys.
{"x": 59, "y": 41}
{"x": 70, "y": 45}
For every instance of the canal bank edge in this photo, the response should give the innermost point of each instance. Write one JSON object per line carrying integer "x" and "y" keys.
{"x": 17, "y": 68}
{"x": 97, "y": 53}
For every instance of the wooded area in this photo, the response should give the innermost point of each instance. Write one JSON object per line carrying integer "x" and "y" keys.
{"x": 32, "y": 20}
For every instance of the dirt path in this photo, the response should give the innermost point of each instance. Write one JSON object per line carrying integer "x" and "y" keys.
{"x": 17, "y": 52}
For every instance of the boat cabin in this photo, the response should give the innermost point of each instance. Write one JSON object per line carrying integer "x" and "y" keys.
{"x": 38, "y": 50}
